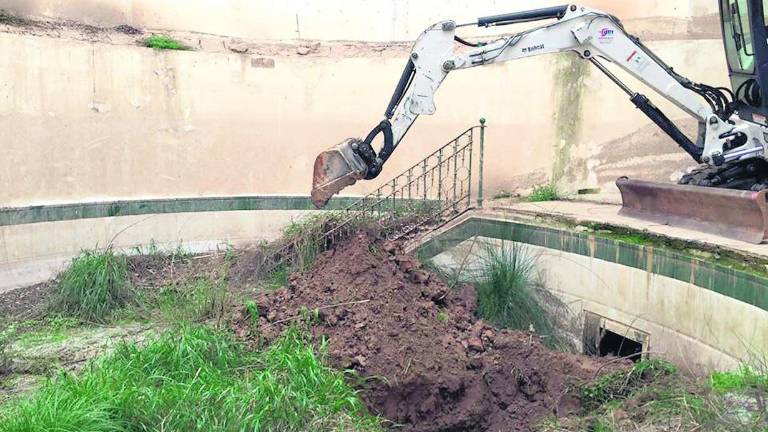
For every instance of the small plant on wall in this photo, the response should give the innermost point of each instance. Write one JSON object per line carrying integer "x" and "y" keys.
{"x": 160, "y": 42}
{"x": 547, "y": 192}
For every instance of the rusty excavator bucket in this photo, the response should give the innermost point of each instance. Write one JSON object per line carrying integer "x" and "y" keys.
{"x": 335, "y": 169}
{"x": 741, "y": 215}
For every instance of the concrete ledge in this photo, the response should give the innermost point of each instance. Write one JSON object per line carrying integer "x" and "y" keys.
{"x": 63, "y": 212}
{"x": 699, "y": 313}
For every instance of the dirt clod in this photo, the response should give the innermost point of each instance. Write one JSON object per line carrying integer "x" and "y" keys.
{"x": 378, "y": 309}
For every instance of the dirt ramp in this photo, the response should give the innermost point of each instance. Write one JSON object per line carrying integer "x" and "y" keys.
{"x": 428, "y": 364}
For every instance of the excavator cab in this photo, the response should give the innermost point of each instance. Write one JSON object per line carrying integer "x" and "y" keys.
{"x": 746, "y": 48}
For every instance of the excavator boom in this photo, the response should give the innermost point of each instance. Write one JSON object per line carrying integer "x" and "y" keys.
{"x": 730, "y": 145}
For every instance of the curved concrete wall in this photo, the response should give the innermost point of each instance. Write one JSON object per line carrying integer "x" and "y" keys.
{"x": 358, "y": 20}
{"x": 33, "y": 253}
{"x": 684, "y": 306}
{"x": 101, "y": 119}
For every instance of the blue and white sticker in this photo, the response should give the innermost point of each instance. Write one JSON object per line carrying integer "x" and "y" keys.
{"x": 606, "y": 35}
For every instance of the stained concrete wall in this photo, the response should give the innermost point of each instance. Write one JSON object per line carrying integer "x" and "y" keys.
{"x": 687, "y": 324}
{"x": 87, "y": 115}
{"x": 99, "y": 120}
{"x": 356, "y": 20}
{"x": 34, "y": 253}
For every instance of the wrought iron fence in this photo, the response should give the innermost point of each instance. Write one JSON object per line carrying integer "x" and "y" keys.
{"x": 428, "y": 194}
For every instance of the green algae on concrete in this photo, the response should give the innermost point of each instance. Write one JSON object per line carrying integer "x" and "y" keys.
{"x": 722, "y": 277}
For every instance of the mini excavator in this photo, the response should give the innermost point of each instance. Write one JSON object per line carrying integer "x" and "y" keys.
{"x": 725, "y": 195}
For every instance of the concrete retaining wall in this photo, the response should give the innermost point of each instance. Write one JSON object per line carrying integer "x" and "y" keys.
{"x": 685, "y": 306}
{"x": 102, "y": 119}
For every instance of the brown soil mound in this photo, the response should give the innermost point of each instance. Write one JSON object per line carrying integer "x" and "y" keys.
{"x": 430, "y": 365}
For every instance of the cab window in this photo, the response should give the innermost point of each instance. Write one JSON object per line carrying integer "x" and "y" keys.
{"x": 738, "y": 36}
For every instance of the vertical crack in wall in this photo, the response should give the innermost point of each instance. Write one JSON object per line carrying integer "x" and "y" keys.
{"x": 570, "y": 73}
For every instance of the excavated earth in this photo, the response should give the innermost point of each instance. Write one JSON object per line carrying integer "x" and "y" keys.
{"x": 428, "y": 364}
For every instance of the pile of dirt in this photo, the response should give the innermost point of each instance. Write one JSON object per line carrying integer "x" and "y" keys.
{"x": 428, "y": 363}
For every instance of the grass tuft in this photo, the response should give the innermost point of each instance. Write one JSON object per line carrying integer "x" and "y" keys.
{"x": 547, "y": 192}
{"x": 160, "y": 42}
{"x": 6, "y": 337}
{"x": 197, "y": 379}
{"x": 190, "y": 301}
{"x": 506, "y": 293}
{"x": 621, "y": 384}
{"x": 94, "y": 285}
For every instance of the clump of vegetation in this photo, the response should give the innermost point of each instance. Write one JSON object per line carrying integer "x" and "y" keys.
{"x": 51, "y": 329}
{"x": 94, "y": 285}
{"x": 199, "y": 379}
{"x": 305, "y": 237}
{"x": 654, "y": 396}
{"x": 506, "y": 293}
{"x": 547, "y": 192}
{"x": 253, "y": 311}
{"x": 191, "y": 301}
{"x": 6, "y": 337}
{"x": 277, "y": 278}
{"x": 13, "y": 20}
{"x": 744, "y": 378}
{"x": 620, "y": 384}
{"x": 161, "y": 42}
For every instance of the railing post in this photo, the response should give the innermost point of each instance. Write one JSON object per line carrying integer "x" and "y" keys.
{"x": 424, "y": 178}
{"x": 455, "y": 170}
{"x": 440, "y": 176}
{"x": 394, "y": 196}
{"x": 480, "y": 168}
{"x": 410, "y": 178}
{"x": 469, "y": 174}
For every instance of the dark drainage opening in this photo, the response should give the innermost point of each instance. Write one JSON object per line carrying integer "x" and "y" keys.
{"x": 619, "y": 346}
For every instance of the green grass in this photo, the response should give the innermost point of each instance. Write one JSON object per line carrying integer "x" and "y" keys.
{"x": 621, "y": 384}
{"x": 306, "y": 237}
{"x": 277, "y": 278}
{"x": 160, "y": 42}
{"x": 49, "y": 330}
{"x": 253, "y": 311}
{"x": 94, "y": 285}
{"x": 547, "y": 192}
{"x": 189, "y": 301}
{"x": 197, "y": 379}
{"x": 739, "y": 380}
{"x": 6, "y": 337}
{"x": 506, "y": 293}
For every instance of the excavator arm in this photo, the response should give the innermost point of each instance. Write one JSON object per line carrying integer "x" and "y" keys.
{"x": 595, "y": 37}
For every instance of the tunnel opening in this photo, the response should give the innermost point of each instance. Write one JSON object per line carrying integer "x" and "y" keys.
{"x": 617, "y": 345}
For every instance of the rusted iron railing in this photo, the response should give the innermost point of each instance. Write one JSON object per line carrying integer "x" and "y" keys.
{"x": 426, "y": 195}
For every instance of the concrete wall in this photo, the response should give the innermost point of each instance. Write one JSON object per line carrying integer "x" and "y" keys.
{"x": 356, "y": 20}
{"x": 34, "y": 253}
{"x": 100, "y": 119}
{"x": 695, "y": 327}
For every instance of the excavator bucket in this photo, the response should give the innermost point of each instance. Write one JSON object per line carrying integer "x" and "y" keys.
{"x": 336, "y": 169}
{"x": 740, "y": 215}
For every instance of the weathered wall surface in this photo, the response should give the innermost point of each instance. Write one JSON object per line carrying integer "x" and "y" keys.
{"x": 369, "y": 20}
{"x": 682, "y": 317}
{"x": 99, "y": 119}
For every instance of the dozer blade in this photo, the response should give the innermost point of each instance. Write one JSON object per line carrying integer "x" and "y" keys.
{"x": 740, "y": 215}
{"x": 336, "y": 169}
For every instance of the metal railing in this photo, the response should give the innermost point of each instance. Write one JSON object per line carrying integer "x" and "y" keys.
{"x": 425, "y": 196}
